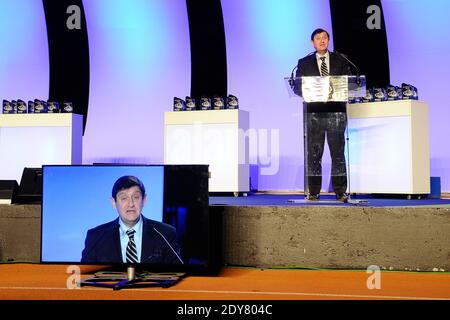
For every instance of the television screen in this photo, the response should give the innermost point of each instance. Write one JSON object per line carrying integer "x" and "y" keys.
{"x": 150, "y": 216}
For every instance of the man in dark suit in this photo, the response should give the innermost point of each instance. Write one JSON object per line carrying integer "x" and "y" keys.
{"x": 324, "y": 118}
{"x": 131, "y": 238}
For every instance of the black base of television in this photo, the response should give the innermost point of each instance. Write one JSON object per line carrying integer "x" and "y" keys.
{"x": 130, "y": 279}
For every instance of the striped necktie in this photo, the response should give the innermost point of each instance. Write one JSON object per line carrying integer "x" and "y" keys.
{"x": 131, "y": 247}
{"x": 323, "y": 67}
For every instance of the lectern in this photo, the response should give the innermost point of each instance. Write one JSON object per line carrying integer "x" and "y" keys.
{"x": 319, "y": 93}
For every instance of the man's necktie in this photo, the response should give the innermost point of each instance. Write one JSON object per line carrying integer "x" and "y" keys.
{"x": 131, "y": 247}
{"x": 323, "y": 67}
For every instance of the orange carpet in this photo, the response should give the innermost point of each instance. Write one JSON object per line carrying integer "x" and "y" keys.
{"x": 25, "y": 281}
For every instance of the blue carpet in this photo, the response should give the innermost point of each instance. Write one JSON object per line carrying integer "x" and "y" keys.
{"x": 325, "y": 200}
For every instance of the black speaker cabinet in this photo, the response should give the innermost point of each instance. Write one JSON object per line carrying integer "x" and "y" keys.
{"x": 8, "y": 190}
{"x": 30, "y": 188}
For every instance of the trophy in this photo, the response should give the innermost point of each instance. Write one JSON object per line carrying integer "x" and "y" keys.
{"x": 21, "y": 107}
{"x": 14, "y": 106}
{"x": 40, "y": 106}
{"x": 379, "y": 94}
{"x": 52, "y": 106}
{"x": 8, "y": 107}
{"x": 205, "y": 103}
{"x": 393, "y": 93}
{"x": 30, "y": 106}
{"x": 190, "y": 104}
{"x": 178, "y": 104}
{"x": 67, "y": 107}
{"x": 409, "y": 92}
{"x": 218, "y": 103}
{"x": 232, "y": 102}
{"x": 369, "y": 96}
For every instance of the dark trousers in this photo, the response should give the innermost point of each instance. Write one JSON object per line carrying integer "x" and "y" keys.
{"x": 332, "y": 125}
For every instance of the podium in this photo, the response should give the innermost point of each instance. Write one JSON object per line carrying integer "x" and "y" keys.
{"x": 326, "y": 89}
{"x": 32, "y": 140}
{"x": 212, "y": 137}
{"x": 325, "y": 117}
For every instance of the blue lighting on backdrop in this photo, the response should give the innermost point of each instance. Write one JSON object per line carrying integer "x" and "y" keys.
{"x": 417, "y": 23}
{"x": 24, "y": 65}
{"x": 418, "y": 40}
{"x": 135, "y": 34}
{"x": 277, "y": 26}
{"x": 140, "y": 59}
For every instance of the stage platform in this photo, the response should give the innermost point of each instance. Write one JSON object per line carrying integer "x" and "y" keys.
{"x": 298, "y": 199}
{"x": 284, "y": 230}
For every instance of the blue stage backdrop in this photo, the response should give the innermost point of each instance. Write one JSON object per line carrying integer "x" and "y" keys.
{"x": 140, "y": 59}
{"x": 77, "y": 199}
{"x": 24, "y": 63}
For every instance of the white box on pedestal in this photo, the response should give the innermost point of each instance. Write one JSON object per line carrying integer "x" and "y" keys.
{"x": 33, "y": 140}
{"x": 213, "y": 137}
{"x": 389, "y": 147}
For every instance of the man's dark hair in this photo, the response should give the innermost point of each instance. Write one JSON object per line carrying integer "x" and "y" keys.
{"x": 317, "y": 31}
{"x": 126, "y": 182}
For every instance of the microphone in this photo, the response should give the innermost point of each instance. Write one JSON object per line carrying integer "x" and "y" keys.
{"x": 358, "y": 80}
{"x": 173, "y": 250}
{"x": 291, "y": 80}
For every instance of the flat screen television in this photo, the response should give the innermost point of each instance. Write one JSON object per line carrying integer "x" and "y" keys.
{"x": 87, "y": 209}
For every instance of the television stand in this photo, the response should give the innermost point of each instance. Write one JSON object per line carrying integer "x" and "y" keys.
{"x": 130, "y": 279}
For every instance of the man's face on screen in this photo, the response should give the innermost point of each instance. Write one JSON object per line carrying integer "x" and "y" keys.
{"x": 129, "y": 204}
{"x": 320, "y": 42}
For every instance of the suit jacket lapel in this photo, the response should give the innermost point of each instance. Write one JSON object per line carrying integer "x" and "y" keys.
{"x": 117, "y": 248}
{"x": 315, "y": 65}
{"x": 333, "y": 66}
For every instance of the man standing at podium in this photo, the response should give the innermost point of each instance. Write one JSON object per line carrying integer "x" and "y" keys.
{"x": 324, "y": 119}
